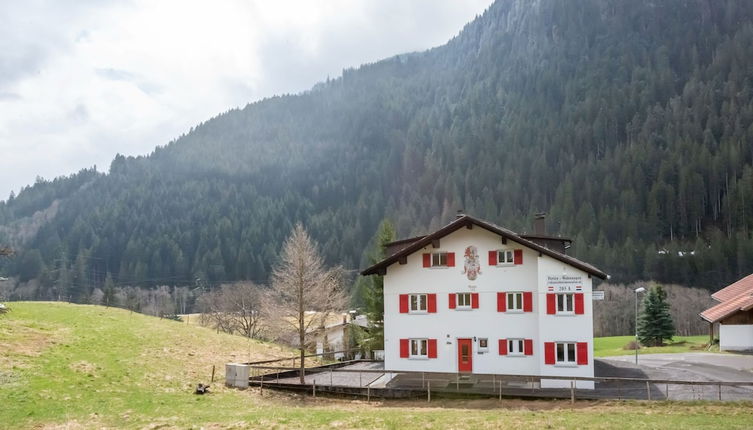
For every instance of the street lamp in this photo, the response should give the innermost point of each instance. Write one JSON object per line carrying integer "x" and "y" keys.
{"x": 637, "y": 290}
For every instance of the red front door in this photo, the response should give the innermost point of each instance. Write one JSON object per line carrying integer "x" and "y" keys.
{"x": 465, "y": 355}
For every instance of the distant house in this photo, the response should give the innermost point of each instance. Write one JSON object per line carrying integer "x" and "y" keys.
{"x": 335, "y": 337}
{"x": 733, "y": 315}
{"x": 475, "y": 297}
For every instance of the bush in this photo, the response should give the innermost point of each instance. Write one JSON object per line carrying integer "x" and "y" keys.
{"x": 632, "y": 346}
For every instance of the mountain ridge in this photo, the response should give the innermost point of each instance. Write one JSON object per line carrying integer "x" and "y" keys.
{"x": 627, "y": 122}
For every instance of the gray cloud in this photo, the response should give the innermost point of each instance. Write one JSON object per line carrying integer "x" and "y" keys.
{"x": 81, "y": 81}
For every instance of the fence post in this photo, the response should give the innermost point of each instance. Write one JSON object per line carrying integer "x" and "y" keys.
{"x": 500, "y": 390}
{"x": 423, "y": 379}
{"x": 720, "y": 392}
{"x": 261, "y": 386}
{"x": 648, "y": 390}
{"x": 428, "y": 391}
{"x": 457, "y": 381}
{"x": 360, "y": 381}
{"x": 619, "y": 389}
{"x": 368, "y": 393}
{"x": 572, "y": 391}
{"x": 667, "y": 390}
{"x": 314, "y": 388}
{"x": 213, "y": 373}
{"x": 330, "y": 377}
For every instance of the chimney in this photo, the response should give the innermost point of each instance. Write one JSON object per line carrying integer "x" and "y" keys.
{"x": 539, "y": 223}
{"x": 460, "y": 214}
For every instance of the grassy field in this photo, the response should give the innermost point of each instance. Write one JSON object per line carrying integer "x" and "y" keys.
{"x": 71, "y": 366}
{"x": 616, "y": 345}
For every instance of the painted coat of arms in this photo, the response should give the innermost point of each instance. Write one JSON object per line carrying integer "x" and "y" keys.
{"x": 472, "y": 265}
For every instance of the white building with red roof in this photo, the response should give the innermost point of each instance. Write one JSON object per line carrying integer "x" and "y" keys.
{"x": 474, "y": 297}
{"x": 733, "y": 315}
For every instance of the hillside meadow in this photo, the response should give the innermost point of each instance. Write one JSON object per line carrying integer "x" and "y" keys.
{"x": 81, "y": 366}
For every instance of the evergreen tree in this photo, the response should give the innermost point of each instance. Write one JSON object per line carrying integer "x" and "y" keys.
{"x": 108, "y": 299}
{"x": 373, "y": 289}
{"x": 655, "y": 322}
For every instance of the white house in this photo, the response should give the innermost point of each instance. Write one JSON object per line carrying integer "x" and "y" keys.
{"x": 475, "y": 297}
{"x": 734, "y": 315}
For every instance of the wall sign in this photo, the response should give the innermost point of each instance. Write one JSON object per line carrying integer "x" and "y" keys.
{"x": 564, "y": 284}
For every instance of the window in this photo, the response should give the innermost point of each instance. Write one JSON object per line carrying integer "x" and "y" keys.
{"x": 566, "y": 353}
{"x": 515, "y": 347}
{"x": 565, "y": 303}
{"x": 418, "y": 303}
{"x": 464, "y": 300}
{"x": 515, "y": 302}
{"x": 483, "y": 344}
{"x": 418, "y": 348}
{"x": 438, "y": 259}
{"x": 505, "y": 257}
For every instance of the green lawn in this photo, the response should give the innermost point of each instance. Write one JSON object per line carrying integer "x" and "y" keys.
{"x": 616, "y": 345}
{"x": 69, "y": 366}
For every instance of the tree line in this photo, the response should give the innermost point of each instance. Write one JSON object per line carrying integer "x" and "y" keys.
{"x": 628, "y": 122}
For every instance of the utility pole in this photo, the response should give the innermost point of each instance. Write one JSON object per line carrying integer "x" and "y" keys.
{"x": 637, "y": 345}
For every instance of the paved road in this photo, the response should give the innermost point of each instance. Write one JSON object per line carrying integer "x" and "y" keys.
{"x": 692, "y": 366}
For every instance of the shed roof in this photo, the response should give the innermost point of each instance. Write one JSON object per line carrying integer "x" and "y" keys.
{"x": 467, "y": 220}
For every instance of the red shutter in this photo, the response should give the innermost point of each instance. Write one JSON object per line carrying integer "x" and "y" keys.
{"x": 549, "y": 353}
{"x": 501, "y": 302}
{"x": 551, "y": 303}
{"x": 403, "y": 348}
{"x": 528, "y": 346}
{"x": 432, "y": 348}
{"x": 431, "y": 300}
{"x": 474, "y": 300}
{"x": 450, "y": 259}
{"x": 503, "y": 347}
{"x": 579, "y": 303}
{"x": 403, "y": 303}
{"x": 427, "y": 260}
{"x": 527, "y": 301}
{"x": 452, "y": 300}
{"x": 518, "y": 256}
{"x": 582, "y": 351}
{"x": 492, "y": 258}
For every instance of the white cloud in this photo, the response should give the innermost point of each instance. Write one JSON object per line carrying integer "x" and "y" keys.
{"x": 82, "y": 81}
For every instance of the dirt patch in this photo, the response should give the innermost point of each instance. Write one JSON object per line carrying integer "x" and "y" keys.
{"x": 19, "y": 341}
{"x": 84, "y": 367}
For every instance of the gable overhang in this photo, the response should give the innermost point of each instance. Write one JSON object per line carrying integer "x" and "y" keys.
{"x": 467, "y": 221}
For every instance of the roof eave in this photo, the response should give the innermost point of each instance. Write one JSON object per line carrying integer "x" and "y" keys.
{"x": 466, "y": 220}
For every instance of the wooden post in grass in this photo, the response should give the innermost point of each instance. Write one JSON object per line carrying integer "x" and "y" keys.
{"x": 313, "y": 387}
{"x": 368, "y": 393}
{"x": 572, "y": 391}
{"x": 213, "y": 373}
{"x": 261, "y": 386}
{"x": 500, "y": 391}
{"x": 428, "y": 391}
{"x": 648, "y": 390}
{"x": 720, "y": 392}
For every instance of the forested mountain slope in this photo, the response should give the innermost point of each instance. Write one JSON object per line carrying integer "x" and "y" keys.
{"x": 629, "y": 122}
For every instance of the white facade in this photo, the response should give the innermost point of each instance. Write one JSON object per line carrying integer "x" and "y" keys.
{"x": 735, "y": 337}
{"x": 538, "y": 274}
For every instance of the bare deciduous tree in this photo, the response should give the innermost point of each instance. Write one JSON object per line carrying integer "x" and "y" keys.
{"x": 233, "y": 308}
{"x": 304, "y": 293}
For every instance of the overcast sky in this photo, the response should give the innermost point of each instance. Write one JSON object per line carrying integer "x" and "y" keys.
{"x": 81, "y": 81}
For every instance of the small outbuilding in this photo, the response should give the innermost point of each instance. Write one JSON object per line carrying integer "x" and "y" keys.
{"x": 733, "y": 315}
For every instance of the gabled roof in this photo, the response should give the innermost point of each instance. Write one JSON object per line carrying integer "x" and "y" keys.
{"x": 743, "y": 302}
{"x": 733, "y": 290}
{"x": 467, "y": 220}
{"x": 734, "y": 298}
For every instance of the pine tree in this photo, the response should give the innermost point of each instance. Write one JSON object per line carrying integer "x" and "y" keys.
{"x": 655, "y": 322}
{"x": 373, "y": 288}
